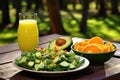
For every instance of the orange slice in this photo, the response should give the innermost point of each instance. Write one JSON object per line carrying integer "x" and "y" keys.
{"x": 76, "y": 45}
{"x": 111, "y": 46}
{"x": 96, "y": 40}
{"x": 85, "y": 42}
{"x": 80, "y": 48}
{"x": 92, "y": 48}
{"x": 106, "y": 48}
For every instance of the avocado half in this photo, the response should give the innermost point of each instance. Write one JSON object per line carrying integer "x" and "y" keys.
{"x": 65, "y": 46}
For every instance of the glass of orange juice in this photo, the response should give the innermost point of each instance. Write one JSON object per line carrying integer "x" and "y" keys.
{"x": 28, "y": 35}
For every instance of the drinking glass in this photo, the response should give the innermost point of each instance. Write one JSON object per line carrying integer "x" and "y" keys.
{"x": 27, "y": 31}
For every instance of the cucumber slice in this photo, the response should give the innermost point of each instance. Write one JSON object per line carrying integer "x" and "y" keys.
{"x": 64, "y": 64}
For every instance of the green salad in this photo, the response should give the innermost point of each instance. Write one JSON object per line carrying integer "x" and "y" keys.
{"x": 43, "y": 59}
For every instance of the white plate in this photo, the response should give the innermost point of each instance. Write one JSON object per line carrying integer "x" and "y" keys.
{"x": 83, "y": 66}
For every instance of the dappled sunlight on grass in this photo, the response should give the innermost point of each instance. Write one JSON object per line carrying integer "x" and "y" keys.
{"x": 70, "y": 26}
{"x": 115, "y": 18}
{"x": 63, "y": 12}
{"x": 73, "y": 22}
{"x": 111, "y": 33}
{"x": 47, "y": 20}
{"x": 12, "y": 15}
{"x": 91, "y": 21}
{"x": 92, "y": 5}
{"x": 78, "y": 7}
{"x": 108, "y": 28}
{"x": 70, "y": 7}
{"x": 8, "y": 36}
{"x": 77, "y": 34}
{"x": 118, "y": 27}
{"x": 43, "y": 27}
{"x": 77, "y": 15}
{"x": 109, "y": 21}
{"x": 65, "y": 15}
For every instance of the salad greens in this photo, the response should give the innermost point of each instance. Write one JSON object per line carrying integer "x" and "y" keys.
{"x": 49, "y": 60}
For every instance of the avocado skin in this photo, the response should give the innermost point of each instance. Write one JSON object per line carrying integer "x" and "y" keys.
{"x": 66, "y": 46}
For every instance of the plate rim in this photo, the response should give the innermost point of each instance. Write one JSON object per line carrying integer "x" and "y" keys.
{"x": 83, "y": 66}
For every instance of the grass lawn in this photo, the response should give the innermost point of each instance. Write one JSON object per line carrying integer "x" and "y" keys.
{"x": 108, "y": 28}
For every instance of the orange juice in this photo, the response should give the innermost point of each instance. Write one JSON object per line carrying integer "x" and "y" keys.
{"x": 27, "y": 34}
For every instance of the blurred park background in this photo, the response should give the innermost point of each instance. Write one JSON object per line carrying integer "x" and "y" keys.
{"x": 80, "y": 18}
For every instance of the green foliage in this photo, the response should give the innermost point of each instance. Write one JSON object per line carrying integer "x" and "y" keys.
{"x": 108, "y": 28}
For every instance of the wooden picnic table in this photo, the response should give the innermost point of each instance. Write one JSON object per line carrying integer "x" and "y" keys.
{"x": 93, "y": 72}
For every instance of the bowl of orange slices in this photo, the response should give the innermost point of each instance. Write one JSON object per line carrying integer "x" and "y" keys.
{"x": 95, "y": 49}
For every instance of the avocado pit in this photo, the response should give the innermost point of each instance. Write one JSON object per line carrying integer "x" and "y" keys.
{"x": 60, "y": 41}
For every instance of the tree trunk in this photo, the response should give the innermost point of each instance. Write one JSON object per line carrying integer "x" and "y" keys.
{"x": 102, "y": 10}
{"x": 55, "y": 17}
{"x": 83, "y": 24}
{"x": 29, "y": 4}
{"x": 18, "y": 10}
{"x": 63, "y": 4}
{"x": 39, "y": 4}
{"x": 5, "y": 12}
{"x": 114, "y": 4}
